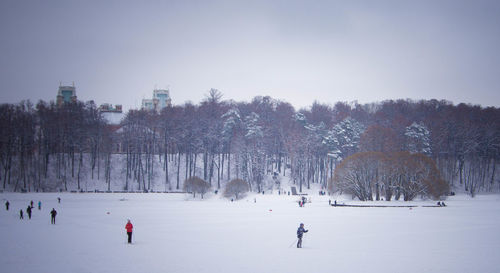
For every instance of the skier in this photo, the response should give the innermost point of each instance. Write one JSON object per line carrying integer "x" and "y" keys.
{"x": 21, "y": 214}
{"x": 28, "y": 210}
{"x": 7, "y": 205}
{"x": 443, "y": 204}
{"x": 59, "y": 200}
{"x": 31, "y": 204}
{"x": 129, "y": 228}
{"x": 53, "y": 214}
{"x": 300, "y": 233}
{"x": 439, "y": 203}
{"x": 39, "y": 205}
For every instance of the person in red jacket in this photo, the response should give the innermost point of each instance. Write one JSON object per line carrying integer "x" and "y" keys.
{"x": 129, "y": 228}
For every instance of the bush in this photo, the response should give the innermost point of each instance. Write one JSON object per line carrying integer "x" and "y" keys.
{"x": 195, "y": 185}
{"x": 236, "y": 188}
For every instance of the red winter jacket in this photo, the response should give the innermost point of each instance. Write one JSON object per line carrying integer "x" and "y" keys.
{"x": 129, "y": 227}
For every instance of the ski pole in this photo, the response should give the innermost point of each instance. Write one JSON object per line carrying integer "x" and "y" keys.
{"x": 293, "y": 243}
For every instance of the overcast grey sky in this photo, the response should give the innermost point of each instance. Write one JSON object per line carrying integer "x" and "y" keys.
{"x": 297, "y": 51}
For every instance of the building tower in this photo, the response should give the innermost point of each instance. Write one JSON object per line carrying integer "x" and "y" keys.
{"x": 160, "y": 100}
{"x": 163, "y": 97}
{"x": 66, "y": 94}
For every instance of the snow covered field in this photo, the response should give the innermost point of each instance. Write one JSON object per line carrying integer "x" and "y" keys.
{"x": 173, "y": 233}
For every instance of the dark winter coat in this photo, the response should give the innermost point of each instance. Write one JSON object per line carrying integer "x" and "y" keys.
{"x": 301, "y": 231}
{"x": 53, "y": 213}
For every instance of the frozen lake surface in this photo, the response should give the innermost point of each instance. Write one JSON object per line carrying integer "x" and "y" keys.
{"x": 173, "y": 233}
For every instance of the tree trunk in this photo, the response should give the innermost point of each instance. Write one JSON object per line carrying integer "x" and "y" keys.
{"x": 178, "y": 169}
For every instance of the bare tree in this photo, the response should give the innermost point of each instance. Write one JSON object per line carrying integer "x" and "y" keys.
{"x": 236, "y": 188}
{"x": 196, "y": 185}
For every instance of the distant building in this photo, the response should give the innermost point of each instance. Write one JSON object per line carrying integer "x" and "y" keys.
{"x": 108, "y": 107}
{"x": 66, "y": 94}
{"x": 113, "y": 115}
{"x": 161, "y": 99}
{"x": 147, "y": 104}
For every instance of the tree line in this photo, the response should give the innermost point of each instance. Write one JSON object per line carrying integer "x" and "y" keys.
{"x": 44, "y": 146}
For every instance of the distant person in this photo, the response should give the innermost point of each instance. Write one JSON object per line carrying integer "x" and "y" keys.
{"x": 439, "y": 203}
{"x": 39, "y": 205}
{"x": 329, "y": 202}
{"x": 28, "y": 211}
{"x": 7, "y": 205}
{"x": 31, "y": 204}
{"x": 21, "y": 214}
{"x": 335, "y": 203}
{"x": 300, "y": 233}
{"x": 59, "y": 200}
{"x": 443, "y": 204}
{"x": 129, "y": 228}
{"x": 53, "y": 214}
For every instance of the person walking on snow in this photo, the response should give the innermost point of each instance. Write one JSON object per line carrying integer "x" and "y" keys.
{"x": 31, "y": 204}
{"x": 28, "y": 210}
{"x": 53, "y": 214}
{"x": 300, "y": 233}
{"x": 129, "y": 228}
{"x": 7, "y": 205}
{"x": 21, "y": 214}
{"x": 39, "y": 205}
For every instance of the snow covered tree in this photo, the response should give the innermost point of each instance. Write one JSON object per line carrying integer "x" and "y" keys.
{"x": 232, "y": 121}
{"x": 253, "y": 156}
{"x": 231, "y": 134}
{"x": 418, "y": 139}
{"x": 343, "y": 139}
{"x": 50, "y": 146}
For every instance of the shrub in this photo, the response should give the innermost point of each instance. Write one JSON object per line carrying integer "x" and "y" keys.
{"x": 236, "y": 188}
{"x": 195, "y": 185}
